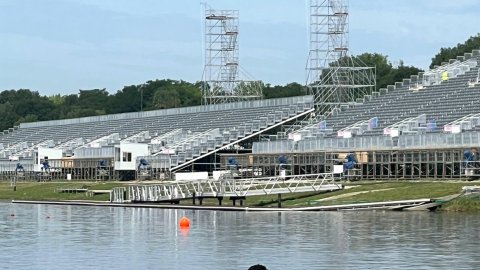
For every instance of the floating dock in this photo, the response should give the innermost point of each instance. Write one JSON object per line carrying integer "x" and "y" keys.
{"x": 421, "y": 204}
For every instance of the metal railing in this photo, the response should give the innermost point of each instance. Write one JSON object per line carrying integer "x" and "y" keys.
{"x": 443, "y": 140}
{"x": 281, "y": 146}
{"x": 141, "y": 136}
{"x": 102, "y": 141}
{"x": 11, "y": 165}
{"x": 185, "y": 110}
{"x": 232, "y": 187}
{"x": 94, "y": 152}
{"x": 466, "y": 122}
{"x": 432, "y": 140}
{"x": 410, "y": 124}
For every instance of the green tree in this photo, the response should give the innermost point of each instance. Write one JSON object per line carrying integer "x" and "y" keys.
{"x": 383, "y": 67}
{"x": 96, "y": 100}
{"x": 57, "y": 99}
{"x": 7, "y": 116}
{"x": 386, "y": 74}
{"x": 189, "y": 94}
{"x": 403, "y": 72}
{"x": 289, "y": 90}
{"x": 126, "y": 100}
{"x": 166, "y": 97}
{"x": 446, "y": 54}
{"x": 27, "y": 119}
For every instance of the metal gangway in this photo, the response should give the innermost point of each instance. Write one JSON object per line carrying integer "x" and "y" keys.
{"x": 231, "y": 187}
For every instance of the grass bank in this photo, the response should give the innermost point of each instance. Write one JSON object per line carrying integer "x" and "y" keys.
{"x": 47, "y": 191}
{"x": 463, "y": 204}
{"x": 372, "y": 192}
{"x": 362, "y": 192}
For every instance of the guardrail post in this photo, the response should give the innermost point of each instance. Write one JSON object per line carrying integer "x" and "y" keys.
{"x": 220, "y": 199}
{"x": 14, "y": 183}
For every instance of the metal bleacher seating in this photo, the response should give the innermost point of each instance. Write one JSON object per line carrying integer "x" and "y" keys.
{"x": 185, "y": 131}
{"x": 443, "y": 101}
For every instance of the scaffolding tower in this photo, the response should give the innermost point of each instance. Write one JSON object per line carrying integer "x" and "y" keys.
{"x": 223, "y": 78}
{"x": 333, "y": 76}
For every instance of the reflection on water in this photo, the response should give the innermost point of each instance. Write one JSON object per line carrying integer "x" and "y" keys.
{"x": 74, "y": 237}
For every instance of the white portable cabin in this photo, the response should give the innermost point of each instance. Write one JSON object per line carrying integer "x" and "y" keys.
{"x": 45, "y": 154}
{"x": 126, "y": 154}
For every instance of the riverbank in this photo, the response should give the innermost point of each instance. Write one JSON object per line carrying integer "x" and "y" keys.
{"x": 361, "y": 192}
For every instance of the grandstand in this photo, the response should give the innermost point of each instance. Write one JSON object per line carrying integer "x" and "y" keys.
{"x": 422, "y": 127}
{"x": 166, "y": 140}
{"x": 426, "y": 126}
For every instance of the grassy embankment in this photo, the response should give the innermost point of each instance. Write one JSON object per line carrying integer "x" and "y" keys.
{"x": 358, "y": 193}
{"x": 386, "y": 191}
{"x": 46, "y": 191}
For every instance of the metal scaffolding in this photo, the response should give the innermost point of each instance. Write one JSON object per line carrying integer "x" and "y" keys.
{"x": 433, "y": 164}
{"x": 333, "y": 76}
{"x": 222, "y": 75}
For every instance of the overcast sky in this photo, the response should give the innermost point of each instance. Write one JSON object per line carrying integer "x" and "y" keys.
{"x": 61, "y": 46}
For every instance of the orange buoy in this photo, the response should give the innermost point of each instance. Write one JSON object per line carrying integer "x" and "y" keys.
{"x": 184, "y": 222}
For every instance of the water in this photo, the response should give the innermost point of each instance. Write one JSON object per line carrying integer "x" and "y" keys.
{"x": 76, "y": 237}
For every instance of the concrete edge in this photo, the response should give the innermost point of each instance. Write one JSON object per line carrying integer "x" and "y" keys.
{"x": 388, "y": 205}
{"x": 158, "y": 206}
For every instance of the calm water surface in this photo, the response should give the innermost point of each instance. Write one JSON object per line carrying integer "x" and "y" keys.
{"x": 76, "y": 237}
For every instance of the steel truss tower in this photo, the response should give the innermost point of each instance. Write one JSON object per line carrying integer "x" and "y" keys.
{"x": 333, "y": 76}
{"x": 223, "y": 78}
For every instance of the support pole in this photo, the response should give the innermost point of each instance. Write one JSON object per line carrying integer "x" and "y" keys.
{"x": 279, "y": 200}
{"x": 13, "y": 183}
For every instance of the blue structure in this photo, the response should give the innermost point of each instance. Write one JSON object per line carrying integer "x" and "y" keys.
{"x": 282, "y": 160}
{"x": 143, "y": 164}
{"x": 45, "y": 166}
{"x": 19, "y": 168}
{"x": 351, "y": 162}
{"x": 469, "y": 159}
{"x": 102, "y": 164}
{"x": 232, "y": 163}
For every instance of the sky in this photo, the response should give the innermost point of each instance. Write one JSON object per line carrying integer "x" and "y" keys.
{"x": 61, "y": 46}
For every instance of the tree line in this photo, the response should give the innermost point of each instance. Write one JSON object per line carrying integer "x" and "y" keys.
{"x": 445, "y": 54}
{"x": 24, "y": 105}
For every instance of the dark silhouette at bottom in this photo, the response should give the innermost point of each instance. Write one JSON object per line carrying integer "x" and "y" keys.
{"x": 257, "y": 267}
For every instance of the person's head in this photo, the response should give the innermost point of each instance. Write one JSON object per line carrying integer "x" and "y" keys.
{"x": 257, "y": 267}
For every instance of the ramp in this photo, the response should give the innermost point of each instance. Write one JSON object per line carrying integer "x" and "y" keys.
{"x": 167, "y": 192}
